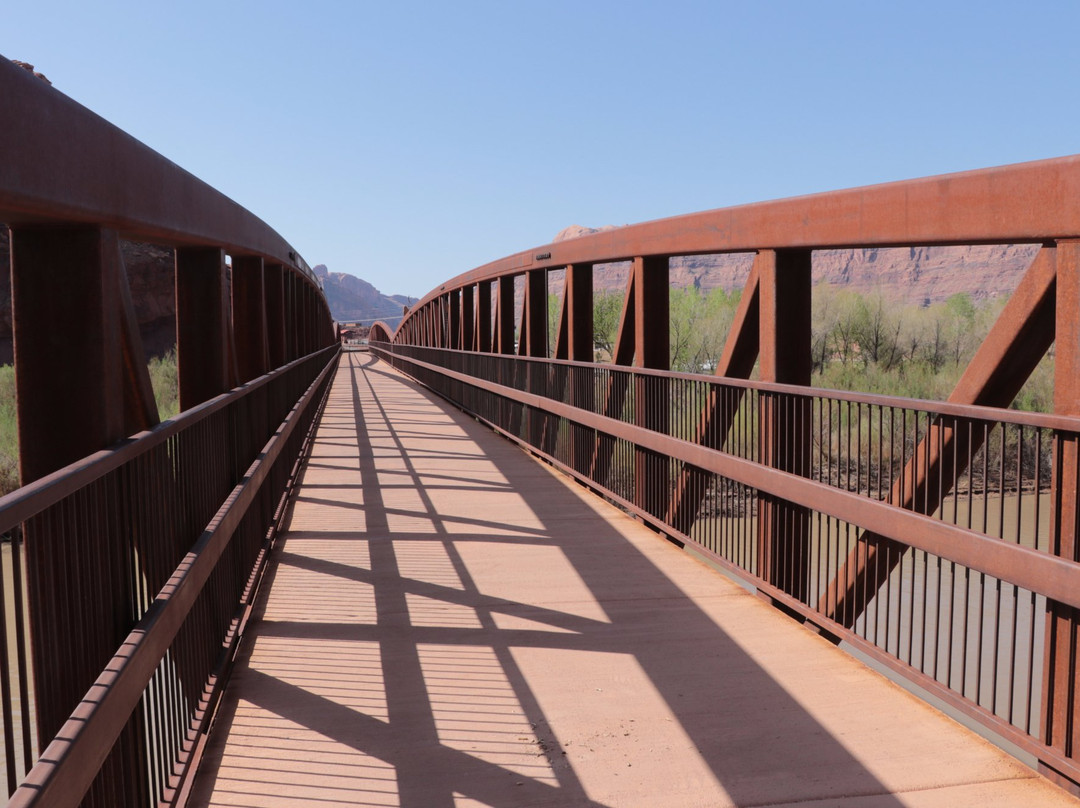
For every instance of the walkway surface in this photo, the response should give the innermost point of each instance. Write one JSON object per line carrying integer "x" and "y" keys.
{"x": 449, "y": 622}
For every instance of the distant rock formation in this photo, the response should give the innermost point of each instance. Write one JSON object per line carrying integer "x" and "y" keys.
{"x": 30, "y": 67}
{"x": 354, "y": 300}
{"x": 576, "y": 230}
{"x": 151, "y": 276}
{"x": 920, "y": 275}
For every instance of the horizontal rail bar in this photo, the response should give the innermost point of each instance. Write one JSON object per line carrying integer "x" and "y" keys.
{"x": 974, "y": 412}
{"x": 33, "y": 498}
{"x": 70, "y": 763}
{"x": 1039, "y": 572}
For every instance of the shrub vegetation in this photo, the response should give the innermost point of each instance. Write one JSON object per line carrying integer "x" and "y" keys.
{"x": 166, "y": 392}
{"x": 858, "y": 342}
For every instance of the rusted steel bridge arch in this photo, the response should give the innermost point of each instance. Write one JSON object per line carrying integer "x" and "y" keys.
{"x": 470, "y": 340}
{"x": 138, "y": 541}
{"x": 380, "y": 332}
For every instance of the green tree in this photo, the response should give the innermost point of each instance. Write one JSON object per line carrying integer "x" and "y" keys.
{"x": 554, "y": 308}
{"x": 9, "y": 432}
{"x": 875, "y": 329}
{"x": 960, "y": 311}
{"x": 607, "y": 308}
{"x": 164, "y": 380}
{"x": 698, "y": 327}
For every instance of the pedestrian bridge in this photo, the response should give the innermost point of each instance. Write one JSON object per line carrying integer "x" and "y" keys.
{"x": 475, "y": 566}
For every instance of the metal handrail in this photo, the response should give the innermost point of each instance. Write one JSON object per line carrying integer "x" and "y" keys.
{"x": 33, "y": 498}
{"x": 1040, "y": 420}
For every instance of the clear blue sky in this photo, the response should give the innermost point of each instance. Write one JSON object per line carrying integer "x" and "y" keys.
{"x": 407, "y": 142}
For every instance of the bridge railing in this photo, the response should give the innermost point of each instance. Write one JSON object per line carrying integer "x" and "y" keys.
{"x": 164, "y": 536}
{"x": 939, "y": 538}
{"x": 131, "y": 551}
{"x": 959, "y": 606}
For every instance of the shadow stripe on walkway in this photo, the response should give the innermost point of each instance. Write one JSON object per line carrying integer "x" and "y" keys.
{"x": 448, "y": 622}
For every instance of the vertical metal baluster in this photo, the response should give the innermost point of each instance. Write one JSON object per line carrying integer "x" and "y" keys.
{"x": 22, "y": 647}
{"x": 5, "y": 682}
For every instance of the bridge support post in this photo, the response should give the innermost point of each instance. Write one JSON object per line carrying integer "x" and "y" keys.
{"x": 536, "y": 339}
{"x": 578, "y": 304}
{"x": 483, "y": 317}
{"x": 306, "y": 318}
{"x": 292, "y": 316}
{"x": 652, "y": 341}
{"x": 274, "y": 295}
{"x": 202, "y": 324}
{"x": 504, "y": 313}
{"x": 579, "y": 309}
{"x": 442, "y": 315}
{"x": 453, "y": 336}
{"x": 306, "y": 313}
{"x": 468, "y": 315}
{"x": 249, "y": 317}
{"x": 784, "y": 439}
{"x": 533, "y": 343}
{"x": 71, "y": 394}
{"x": 1061, "y": 674}
{"x": 75, "y": 395}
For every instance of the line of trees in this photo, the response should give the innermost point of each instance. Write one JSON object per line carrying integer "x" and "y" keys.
{"x": 858, "y": 341}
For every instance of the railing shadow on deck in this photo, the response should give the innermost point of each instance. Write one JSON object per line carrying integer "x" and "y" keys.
{"x": 754, "y": 737}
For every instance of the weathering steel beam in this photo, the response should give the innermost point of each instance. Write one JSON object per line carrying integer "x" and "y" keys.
{"x": 1027, "y": 202}
{"x": 111, "y": 179}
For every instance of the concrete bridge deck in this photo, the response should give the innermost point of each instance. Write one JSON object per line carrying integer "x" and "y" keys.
{"x": 448, "y": 622}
